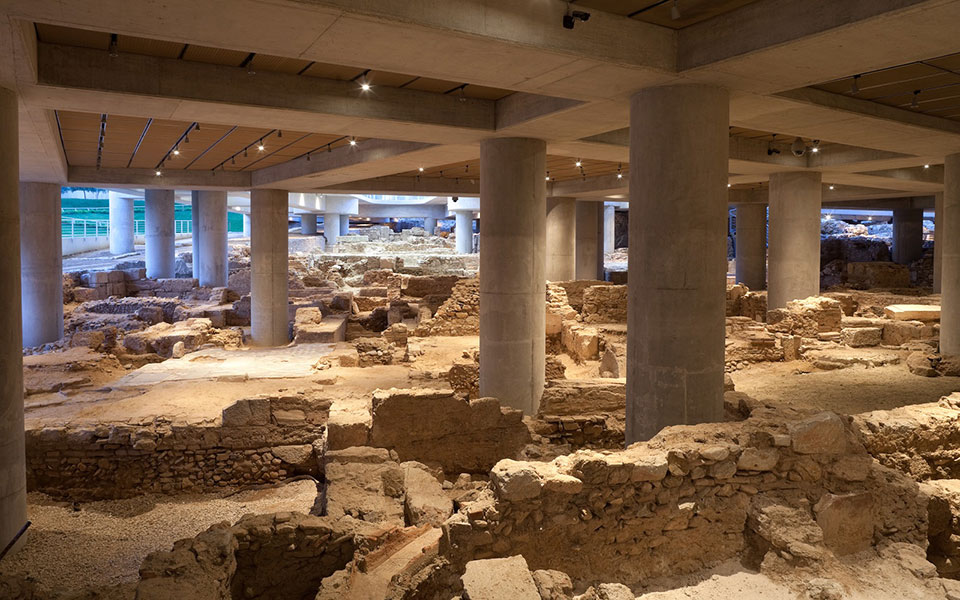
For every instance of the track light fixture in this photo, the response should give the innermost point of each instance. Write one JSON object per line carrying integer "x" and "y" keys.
{"x": 158, "y": 173}
{"x": 548, "y": 175}
{"x": 279, "y": 133}
{"x": 420, "y": 169}
{"x": 261, "y": 147}
{"x": 915, "y": 103}
{"x": 570, "y": 19}
{"x": 620, "y": 171}
{"x": 244, "y": 152}
{"x": 176, "y": 152}
{"x": 815, "y": 146}
{"x": 578, "y": 164}
{"x": 233, "y": 160}
{"x": 771, "y": 149}
{"x": 855, "y": 85}
{"x": 353, "y": 142}
{"x": 675, "y": 11}
{"x": 112, "y": 48}
{"x": 830, "y": 187}
{"x": 926, "y": 166}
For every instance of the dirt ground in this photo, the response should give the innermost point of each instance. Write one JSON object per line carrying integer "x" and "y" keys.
{"x": 848, "y": 391}
{"x": 101, "y": 544}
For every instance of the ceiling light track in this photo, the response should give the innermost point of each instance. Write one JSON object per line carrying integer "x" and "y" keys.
{"x": 136, "y": 148}
{"x": 232, "y": 159}
{"x": 175, "y": 149}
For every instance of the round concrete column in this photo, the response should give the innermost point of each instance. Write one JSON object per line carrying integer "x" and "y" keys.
{"x": 195, "y": 232}
{"x": 794, "y": 237}
{"x": 121, "y": 224}
{"x": 589, "y": 240}
{"x": 676, "y": 307}
{"x": 752, "y": 245}
{"x": 907, "y": 235}
{"x": 331, "y": 228}
{"x": 512, "y": 271}
{"x": 212, "y": 247}
{"x": 246, "y": 226}
{"x": 463, "y": 230}
{"x": 950, "y": 262}
{"x": 269, "y": 319}
{"x": 429, "y": 225}
{"x": 308, "y": 224}
{"x": 561, "y": 239}
{"x": 937, "y": 238}
{"x": 609, "y": 228}
{"x": 160, "y": 233}
{"x": 344, "y": 224}
{"x": 41, "y": 258}
{"x": 13, "y": 479}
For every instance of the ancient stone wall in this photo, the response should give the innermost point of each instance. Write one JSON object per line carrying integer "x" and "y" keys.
{"x": 605, "y": 304}
{"x": 458, "y": 315}
{"x": 260, "y": 440}
{"x": 681, "y": 502}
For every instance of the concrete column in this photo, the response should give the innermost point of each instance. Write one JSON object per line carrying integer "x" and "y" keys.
{"x": 269, "y": 320}
{"x": 679, "y": 143}
{"x": 589, "y": 240}
{"x": 512, "y": 271}
{"x": 463, "y": 230}
{"x": 195, "y": 232}
{"x": 246, "y": 226}
{"x": 429, "y": 224}
{"x": 331, "y": 227}
{"x": 121, "y": 224}
{"x": 950, "y": 261}
{"x": 794, "y": 237}
{"x": 13, "y": 479}
{"x": 752, "y": 245}
{"x": 561, "y": 239}
{"x": 907, "y": 235}
{"x": 609, "y": 228}
{"x": 937, "y": 246}
{"x": 212, "y": 247}
{"x": 344, "y": 224}
{"x": 41, "y": 259}
{"x": 160, "y": 233}
{"x": 308, "y": 224}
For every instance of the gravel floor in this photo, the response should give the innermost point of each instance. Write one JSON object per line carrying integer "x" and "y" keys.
{"x": 100, "y": 545}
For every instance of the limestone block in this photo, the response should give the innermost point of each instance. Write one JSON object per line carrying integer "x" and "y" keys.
{"x": 846, "y": 521}
{"x": 499, "y": 579}
{"x": 824, "y": 433}
{"x": 860, "y": 337}
{"x": 513, "y": 481}
{"x": 912, "y": 312}
{"x": 247, "y": 412}
{"x": 896, "y": 333}
{"x": 553, "y": 585}
{"x": 424, "y": 502}
{"x": 758, "y": 459}
{"x": 299, "y": 456}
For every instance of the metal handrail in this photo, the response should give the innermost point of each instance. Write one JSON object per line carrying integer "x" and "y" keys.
{"x": 19, "y": 535}
{"x": 71, "y": 227}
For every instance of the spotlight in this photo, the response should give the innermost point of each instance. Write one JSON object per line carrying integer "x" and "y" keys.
{"x": 353, "y": 142}
{"x": 926, "y": 166}
{"x": 548, "y": 175}
{"x": 420, "y": 169}
{"x": 365, "y": 86}
{"x": 915, "y": 103}
{"x": 570, "y": 19}
{"x": 815, "y": 146}
{"x": 578, "y": 163}
{"x": 279, "y": 133}
{"x": 261, "y": 147}
{"x": 158, "y": 173}
{"x": 675, "y": 11}
{"x": 729, "y": 185}
{"x": 112, "y": 48}
{"x": 830, "y": 187}
{"x": 855, "y": 86}
{"x": 176, "y": 152}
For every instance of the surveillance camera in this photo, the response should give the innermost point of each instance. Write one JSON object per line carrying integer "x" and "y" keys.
{"x": 798, "y": 147}
{"x": 454, "y": 198}
{"x": 771, "y": 151}
{"x": 570, "y": 19}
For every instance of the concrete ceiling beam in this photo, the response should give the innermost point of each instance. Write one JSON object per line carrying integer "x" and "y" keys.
{"x": 169, "y": 178}
{"x": 409, "y": 186}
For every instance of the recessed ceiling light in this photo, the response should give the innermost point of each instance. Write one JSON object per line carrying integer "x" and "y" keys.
{"x": 158, "y": 173}
{"x": 729, "y": 185}
{"x": 831, "y": 187}
{"x": 926, "y": 166}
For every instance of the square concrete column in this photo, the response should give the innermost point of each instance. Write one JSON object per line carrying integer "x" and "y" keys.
{"x": 609, "y": 228}
{"x": 13, "y": 478}
{"x": 752, "y": 245}
{"x": 121, "y": 223}
{"x": 246, "y": 226}
{"x": 561, "y": 239}
{"x": 794, "y": 237}
{"x": 463, "y": 231}
{"x": 949, "y": 235}
{"x": 589, "y": 245}
{"x": 160, "y": 233}
{"x": 212, "y": 247}
{"x": 269, "y": 317}
{"x": 679, "y": 143}
{"x": 907, "y": 235}
{"x": 344, "y": 224}
{"x": 41, "y": 259}
{"x": 937, "y": 246}
{"x": 512, "y": 265}
{"x": 308, "y": 224}
{"x": 331, "y": 228}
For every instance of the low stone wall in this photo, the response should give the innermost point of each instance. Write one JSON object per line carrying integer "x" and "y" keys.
{"x": 458, "y": 315}
{"x": 282, "y": 555}
{"x": 681, "y": 501}
{"x": 605, "y": 304}
{"x": 260, "y": 440}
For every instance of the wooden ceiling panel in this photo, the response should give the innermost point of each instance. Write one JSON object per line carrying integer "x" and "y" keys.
{"x": 216, "y": 56}
{"x": 138, "y": 45}
{"x": 279, "y": 64}
{"x": 69, "y": 36}
{"x": 157, "y": 142}
{"x": 661, "y": 12}
{"x": 233, "y": 144}
{"x": 328, "y": 71}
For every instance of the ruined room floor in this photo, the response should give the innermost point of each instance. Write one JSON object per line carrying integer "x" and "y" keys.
{"x": 847, "y": 391}
{"x": 100, "y": 545}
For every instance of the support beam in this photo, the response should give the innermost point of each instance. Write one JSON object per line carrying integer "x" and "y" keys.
{"x": 561, "y": 239}
{"x": 269, "y": 319}
{"x": 429, "y": 224}
{"x": 344, "y": 224}
{"x": 676, "y": 300}
{"x": 463, "y": 231}
{"x": 907, "y": 235}
{"x": 589, "y": 245}
{"x": 160, "y": 233}
{"x": 752, "y": 245}
{"x": 794, "y": 237}
{"x": 609, "y": 228}
{"x": 212, "y": 247}
{"x": 121, "y": 224}
{"x": 331, "y": 228}
{"x": 41, "y": 271}
{"x": 950, "y": 268}
{"x": 512, "y": 277}
{"x": 937, "y": 242}
{"x": 13, "y": 479}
